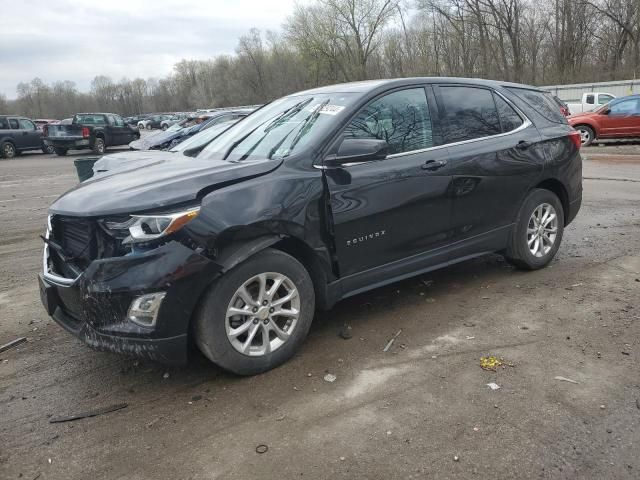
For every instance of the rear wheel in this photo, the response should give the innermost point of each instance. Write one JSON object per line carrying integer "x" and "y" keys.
{"x": 8, "y": 150}
{"x": 256, "y": 316}
{"x": 164, "y": 127}
{"x": 536, "y": 236}
{"x": 60, "y": 151}
{"x": 99, "y": 146}
{"x": 587, "y": 135}
{"x": 149, "y": 126}
{"x": 48, "y": 149}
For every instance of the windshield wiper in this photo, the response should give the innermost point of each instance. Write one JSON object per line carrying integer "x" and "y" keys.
{"x": 307, "y": 121}
{"x": 289, "y": 111}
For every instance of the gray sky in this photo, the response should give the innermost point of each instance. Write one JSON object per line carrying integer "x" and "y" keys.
{"x": 77, "y": 40}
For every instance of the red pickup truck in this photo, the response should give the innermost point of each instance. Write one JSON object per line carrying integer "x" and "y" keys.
{"x": 617, "y": 119}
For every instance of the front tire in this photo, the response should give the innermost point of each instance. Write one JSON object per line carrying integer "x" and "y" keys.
{"x": 587, "y": 134}
{"x": 7, "y": 150}
{"x": 48, "y": 149}
{"x": 537, "y": 233}
{"x": 256, "y": 316}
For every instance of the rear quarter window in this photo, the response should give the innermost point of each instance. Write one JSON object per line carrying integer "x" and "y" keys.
{"x": 541, "y": 102}
{"x": 4, "y": 124}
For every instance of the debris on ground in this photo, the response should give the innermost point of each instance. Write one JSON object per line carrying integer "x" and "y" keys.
{"x": 90, "y": 413}
{"x": 469, "y": 324}
{"x": 166, "y": 375}
{"x": 493, "y": 386}
{"x": 565, "y": 379}
{"x": 262, "y": 449}
{"x": 390, "y": 342}
{"x": 346, "y": 332}
{"x": 330, "y": 377}
{"x": 470, "y": 338}
{"x": 195, "y": 398}
{"x": 12, "y": 343}
{"x": 491, "y": 363}
{"x": 427, "y": 283}
{"x": 456, "y": 458}
{"x": 638, "y": 403}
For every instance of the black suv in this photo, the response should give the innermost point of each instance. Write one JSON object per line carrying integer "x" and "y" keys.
{"x": 19, "y": 134}
{"x": 315, "y": 197}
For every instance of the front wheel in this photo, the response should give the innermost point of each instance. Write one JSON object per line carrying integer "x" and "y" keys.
{"x": 165, "y": 127}
{"x": 256, "y": 316}
{"x": 48, "y": 149}
{"x": 537, "y": 233}
{"x": 587, "y": 135}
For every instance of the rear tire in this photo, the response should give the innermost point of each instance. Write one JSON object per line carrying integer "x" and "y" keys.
{"x": 165, "y": 127}
{"x": 239, "y": 290}
{"x": 537, "y": 233}
{"x": 61, "y": 152}
{"x": 48, "y": 149}
{"x": 99, "y": 146}
{"x": 587, "y": 135}
{"x": 149, "y": 126}
{"x": 7, "y": 150}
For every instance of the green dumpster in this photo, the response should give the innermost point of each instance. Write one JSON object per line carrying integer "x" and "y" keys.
{"x": 84, "y": 167}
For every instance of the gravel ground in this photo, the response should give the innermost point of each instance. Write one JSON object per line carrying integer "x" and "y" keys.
{"x": 421, "y": 410}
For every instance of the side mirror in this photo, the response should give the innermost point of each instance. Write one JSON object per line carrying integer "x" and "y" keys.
{"x": 358, "y": 150}
{"x": 605, "y": 111}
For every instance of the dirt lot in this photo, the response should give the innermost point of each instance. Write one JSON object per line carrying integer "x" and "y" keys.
{"x": 421, "y": 410}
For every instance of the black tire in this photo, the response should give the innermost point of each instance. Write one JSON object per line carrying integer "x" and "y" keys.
{"x": 48, "y": 149}
{"x": 99, "y": 147}
{"x": 210, "y": 322}
{"x": 61, "y": 152}
{"x": 165, "y": 127}
{"x": 149, "y": 127}
{"x": 587, "y": 134}
{"x": 8, "y": 150}
{"x": 518, "y": 251}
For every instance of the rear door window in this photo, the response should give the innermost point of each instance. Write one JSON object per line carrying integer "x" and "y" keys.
{"x": 400, "y": 118}
{"x": 4, "y": 124}
{"x": 591, "y": 99}
{"x": 541, "y": 102}
{"x": 14, "y": 123}
{"x": 509, "y": 118}
{"x": 626, "y": 107}
{"x": 469, "y": 113}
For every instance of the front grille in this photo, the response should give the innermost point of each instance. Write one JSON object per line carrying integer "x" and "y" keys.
{"x": 77, "y": 238}
{"x": 81, "y": 240}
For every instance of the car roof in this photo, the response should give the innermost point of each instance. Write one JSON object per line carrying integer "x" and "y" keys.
{"x": 367, "y": 86}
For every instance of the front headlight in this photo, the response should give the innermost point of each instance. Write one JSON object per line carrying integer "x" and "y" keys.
{"x": 150, "y": 227}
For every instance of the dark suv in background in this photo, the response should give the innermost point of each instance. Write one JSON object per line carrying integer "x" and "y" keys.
{"x": 19, "y": 134}
{"x": 315, "y": 197}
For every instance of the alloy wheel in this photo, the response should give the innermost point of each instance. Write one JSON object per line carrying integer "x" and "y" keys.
{"x": 585, "y": 136}
{"x": 262, "y": 314}
{"x": 8, "y": 150}
{"x": 542, "y": 230}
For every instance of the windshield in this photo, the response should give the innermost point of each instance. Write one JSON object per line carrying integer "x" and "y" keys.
{"x": 203, "y": 138}
{"x": 174, "y": 127}
{"x": 279, "y": 129}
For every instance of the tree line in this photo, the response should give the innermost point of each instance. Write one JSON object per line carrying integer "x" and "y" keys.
{"x": 332, "y": 41}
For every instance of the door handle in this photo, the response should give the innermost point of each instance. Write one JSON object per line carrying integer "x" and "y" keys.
{"x": 432, "y": 165}
{"x": 523, "y": 145}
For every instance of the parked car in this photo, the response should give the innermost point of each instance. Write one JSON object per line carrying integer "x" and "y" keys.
{"x": 590, "y": 101}
{"x": 618, "y": 119}
{"x": 168, "y": 122}
{"x": 17, "y": 135}
{"x": 315, "y": 197}
{"x": 132, "y": 160}
{"x": 135, "y": 119}
{"x": 95, "y": 131}
{"x": 152, "y": 121}
{"x": 187, "y": 128}
{"x": 41, "y": 122}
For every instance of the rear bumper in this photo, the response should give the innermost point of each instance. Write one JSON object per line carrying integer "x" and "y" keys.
{"x": 68, "y": 143}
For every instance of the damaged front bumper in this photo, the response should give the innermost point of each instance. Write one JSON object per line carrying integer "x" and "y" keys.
{"x": 94, "y": 306}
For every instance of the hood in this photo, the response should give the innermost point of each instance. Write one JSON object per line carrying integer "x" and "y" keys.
{"x": 124, "y": 161}
{"x": 150, "y": 141}
{"x": 581, "y": 116}
{"x": 163, "y": 183}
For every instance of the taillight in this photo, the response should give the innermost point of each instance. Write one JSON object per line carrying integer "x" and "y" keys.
{"x": 85, "y": 132}
{"x": 576, "y": 139}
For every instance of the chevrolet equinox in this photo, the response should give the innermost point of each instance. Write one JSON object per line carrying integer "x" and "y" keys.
{"x": 314, "y": 197}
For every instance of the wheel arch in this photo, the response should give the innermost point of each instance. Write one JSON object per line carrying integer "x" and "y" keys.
{"x": 592, "y": 126}
{"x": 557, "y": 187}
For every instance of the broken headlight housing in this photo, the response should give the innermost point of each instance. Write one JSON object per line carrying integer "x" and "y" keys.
{"x": 147, "y": 228}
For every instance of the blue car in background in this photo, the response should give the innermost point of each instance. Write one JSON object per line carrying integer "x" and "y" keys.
{"x": 179, "y": 132}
